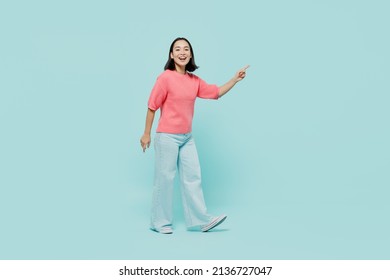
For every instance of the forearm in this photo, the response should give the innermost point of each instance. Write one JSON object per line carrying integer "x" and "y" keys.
{"x": 230, "y": 84}
{"x": 149, "y": 121}
{"x": 226, "y": 87}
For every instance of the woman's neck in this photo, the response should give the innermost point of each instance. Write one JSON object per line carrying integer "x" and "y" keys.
{"x": 179, "y": 69}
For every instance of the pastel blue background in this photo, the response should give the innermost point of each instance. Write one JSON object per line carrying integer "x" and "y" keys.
{"x": 297, "y": 154}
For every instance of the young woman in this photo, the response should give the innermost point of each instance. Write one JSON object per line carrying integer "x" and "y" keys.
{"x": 174, "y": 93}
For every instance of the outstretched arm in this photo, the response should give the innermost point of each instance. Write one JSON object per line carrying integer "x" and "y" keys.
{"x": 230, "y": 84}
{"x": 145, "y": 139}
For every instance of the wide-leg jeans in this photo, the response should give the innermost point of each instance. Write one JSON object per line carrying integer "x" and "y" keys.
{"x": 177, "y": 152}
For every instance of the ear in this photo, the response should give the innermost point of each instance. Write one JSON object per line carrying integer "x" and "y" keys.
{"x": 171, "y": 55}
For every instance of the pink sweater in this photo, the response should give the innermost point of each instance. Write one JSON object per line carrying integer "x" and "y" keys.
{"x": 175, "y": 95}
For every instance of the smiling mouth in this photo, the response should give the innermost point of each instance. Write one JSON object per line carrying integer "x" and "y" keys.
{"x": 182, "y": 58}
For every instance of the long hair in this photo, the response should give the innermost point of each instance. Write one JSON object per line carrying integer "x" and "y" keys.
{"x": 190, "y": 67}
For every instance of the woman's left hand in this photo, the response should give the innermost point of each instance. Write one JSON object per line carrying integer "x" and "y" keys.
{"x": 241, "y": 73}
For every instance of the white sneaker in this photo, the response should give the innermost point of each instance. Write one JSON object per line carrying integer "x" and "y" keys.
{"x": 215, "y": 222}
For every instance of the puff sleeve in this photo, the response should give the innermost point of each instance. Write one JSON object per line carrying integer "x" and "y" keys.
{"x": 207, "y": 91}
{"x": 157, "y": 95}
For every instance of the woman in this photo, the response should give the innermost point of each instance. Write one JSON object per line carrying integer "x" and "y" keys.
{"x": 174, "y": 93}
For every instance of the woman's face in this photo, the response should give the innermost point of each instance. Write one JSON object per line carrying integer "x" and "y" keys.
{"x": 181, "y": 53}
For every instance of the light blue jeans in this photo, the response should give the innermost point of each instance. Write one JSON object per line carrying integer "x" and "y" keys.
{"x": 172, "y": 152}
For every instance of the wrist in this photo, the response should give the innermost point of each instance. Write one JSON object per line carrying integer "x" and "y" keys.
{"x": 234, "y": 81}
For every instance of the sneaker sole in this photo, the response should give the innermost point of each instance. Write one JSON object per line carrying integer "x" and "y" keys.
{"x": 163, "y": 231}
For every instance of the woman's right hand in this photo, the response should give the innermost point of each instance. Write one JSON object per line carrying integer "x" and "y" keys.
{"x": 145, "y": 141}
